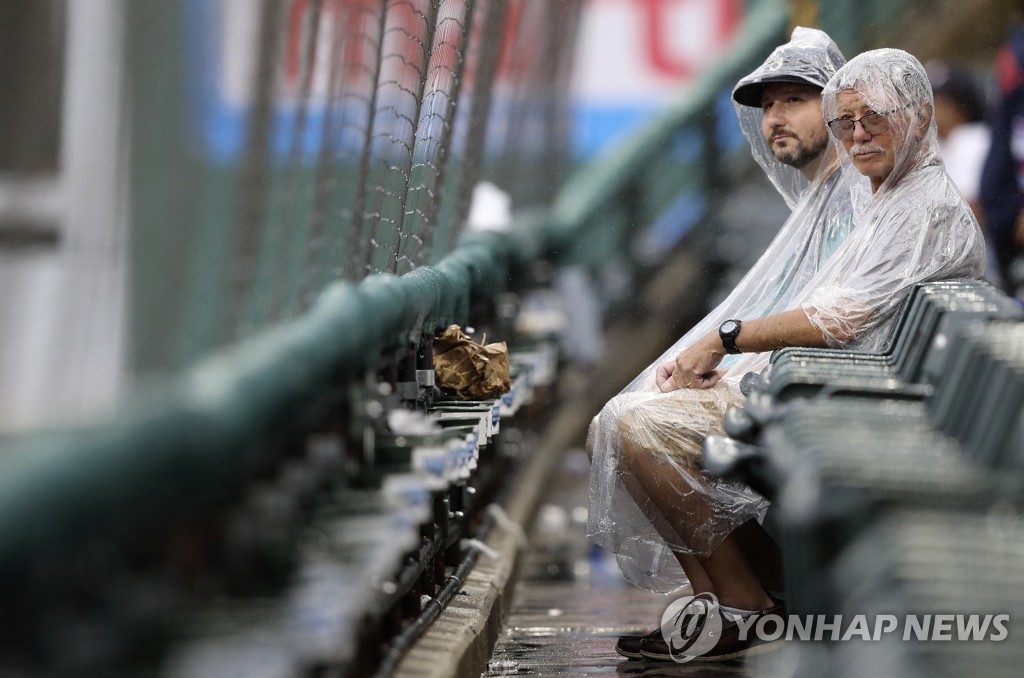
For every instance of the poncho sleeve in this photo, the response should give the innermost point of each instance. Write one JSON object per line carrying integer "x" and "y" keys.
{"x": 906, "y": 242}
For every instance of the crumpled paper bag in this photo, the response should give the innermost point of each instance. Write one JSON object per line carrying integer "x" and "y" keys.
{"x": 473, "y": 371}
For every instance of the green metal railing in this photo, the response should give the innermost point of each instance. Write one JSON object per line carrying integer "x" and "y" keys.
{"x": 193, "y": 445}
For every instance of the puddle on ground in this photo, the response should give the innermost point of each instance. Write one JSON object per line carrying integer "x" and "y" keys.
{"x": 570, "y": 603}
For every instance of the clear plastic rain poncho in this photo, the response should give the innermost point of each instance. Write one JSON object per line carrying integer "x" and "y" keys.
{"x": 648, "y": 494}
{"x": 916, "y": 227}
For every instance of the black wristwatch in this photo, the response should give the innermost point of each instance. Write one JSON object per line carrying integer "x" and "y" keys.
{"x": 728, "y": 331}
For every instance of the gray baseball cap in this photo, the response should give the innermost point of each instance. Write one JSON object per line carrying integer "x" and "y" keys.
{"x": 809, "y": 58}
{"x": 750, "y": 93}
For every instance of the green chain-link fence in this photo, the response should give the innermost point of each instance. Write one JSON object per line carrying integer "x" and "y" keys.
{"x": 277, "y": 146}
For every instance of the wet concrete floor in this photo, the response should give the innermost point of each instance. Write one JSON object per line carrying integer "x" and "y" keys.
{"x": 570, "y": 603}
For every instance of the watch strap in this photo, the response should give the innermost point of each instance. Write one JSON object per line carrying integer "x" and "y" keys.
{"x": 729, "y": 338}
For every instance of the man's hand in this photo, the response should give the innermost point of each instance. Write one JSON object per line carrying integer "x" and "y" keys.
{"x": 665, "y": 371}
{"x": 694, "y": 367}
{"x": 697, "y": 366}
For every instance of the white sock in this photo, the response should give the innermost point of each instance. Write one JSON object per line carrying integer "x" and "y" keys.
{"x": 734, "y": 613}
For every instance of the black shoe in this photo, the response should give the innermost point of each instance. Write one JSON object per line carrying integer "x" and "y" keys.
{"x": 729, "y": 645}
{"x": 629, "y": 646}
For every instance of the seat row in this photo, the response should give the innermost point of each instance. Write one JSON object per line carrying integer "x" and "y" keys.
{"x": 897, "y": 481}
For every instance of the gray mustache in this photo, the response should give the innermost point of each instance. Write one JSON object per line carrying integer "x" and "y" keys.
{"x": 865, "y": 148}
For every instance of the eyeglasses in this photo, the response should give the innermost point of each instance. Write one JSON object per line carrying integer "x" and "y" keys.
{"x": 873, "y": 123}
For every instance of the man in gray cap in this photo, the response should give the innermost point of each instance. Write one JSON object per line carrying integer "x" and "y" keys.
{"x": 650, "y": 502}
{"x": 779, "y": 107}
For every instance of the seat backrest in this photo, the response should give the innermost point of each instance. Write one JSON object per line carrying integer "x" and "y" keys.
{"x": 979, "y": 402}
{"x": 934, "y": 300}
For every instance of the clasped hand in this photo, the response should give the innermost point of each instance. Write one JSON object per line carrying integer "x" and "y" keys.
{"x": 694, "y": 367}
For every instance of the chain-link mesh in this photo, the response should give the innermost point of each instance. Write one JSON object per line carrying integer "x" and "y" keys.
{"x": 327, "y": 139}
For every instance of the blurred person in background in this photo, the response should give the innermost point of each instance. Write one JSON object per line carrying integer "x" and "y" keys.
{"x": 1002, "y": 180}
{"x": 964, "y": 137}
{"x": 963, "y": 132}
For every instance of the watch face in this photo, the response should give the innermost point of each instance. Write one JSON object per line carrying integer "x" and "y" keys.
{"x": 728, "y": 327}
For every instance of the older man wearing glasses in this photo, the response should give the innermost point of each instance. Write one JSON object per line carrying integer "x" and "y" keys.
{"x": 913, "y": 225}
{"x": 867, "y": 138}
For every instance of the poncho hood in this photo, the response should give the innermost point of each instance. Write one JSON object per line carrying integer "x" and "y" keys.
{"x": 811, "y": 58}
